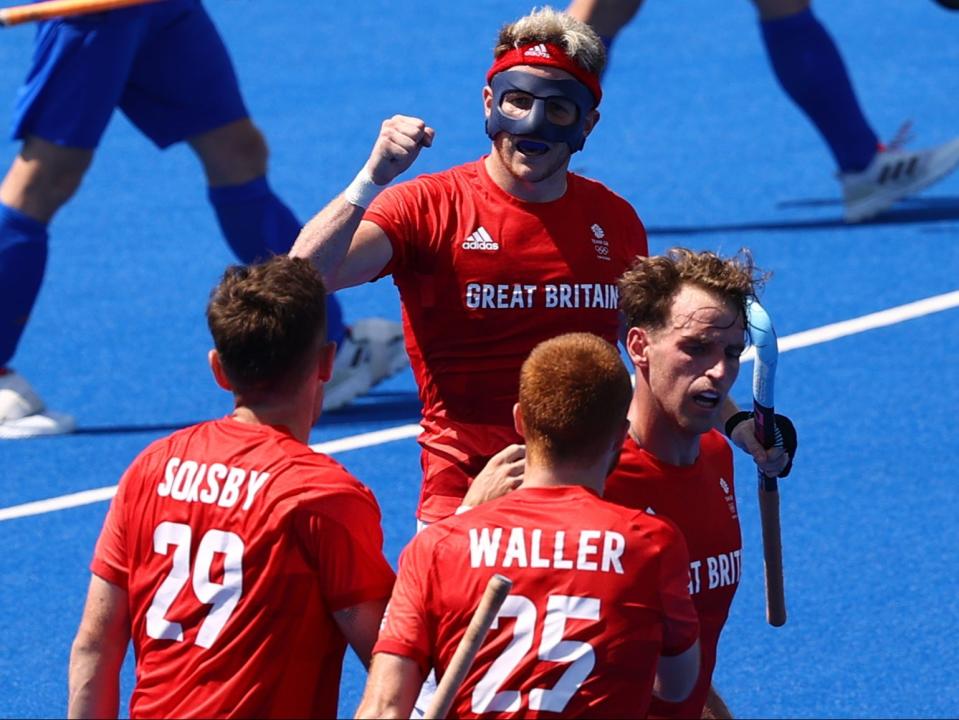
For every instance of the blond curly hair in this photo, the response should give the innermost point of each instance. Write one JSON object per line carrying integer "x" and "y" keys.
{"x": 546, "y": 25}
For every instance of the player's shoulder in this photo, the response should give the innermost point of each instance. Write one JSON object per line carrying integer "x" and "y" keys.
{"x": 598, "y": 191}
{"x": 622, "y": 513}
{"x": 444, "y": 182}
{"x": 639, "y": 522}
{"x": 593, "y": 510}
{"x": 612, "y": 216}
{"x": 715, "y": 446}
{"x": 635, "y": 467}
{"x": 155, "y": 460}
{"x": 443, "y": 538}
{"x": 162, "y": 448}
{"x": 455, "y": 530}
{"x": 631, "y": 454}
{"x": 321, "y": 475}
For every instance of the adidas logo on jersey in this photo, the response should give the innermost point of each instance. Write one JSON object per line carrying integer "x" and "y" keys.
{"x": 537, "y": 51}
{"x": 480, "y": 240}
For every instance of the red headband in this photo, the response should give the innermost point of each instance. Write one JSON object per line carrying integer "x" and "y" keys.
{"x": 551, "y": 56}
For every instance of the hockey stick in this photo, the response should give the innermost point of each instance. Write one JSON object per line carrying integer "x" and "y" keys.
{"x": 496, "y": 591}
{"x": 764, "y": 375}
{"x": 61, "y": 8}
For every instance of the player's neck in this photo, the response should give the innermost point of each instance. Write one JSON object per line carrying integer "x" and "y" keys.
{"x": 293, "y": 417}
{"x": 546, "y": 190}
{"x": 658, "y": 435}
{"x": 538, "y": 474}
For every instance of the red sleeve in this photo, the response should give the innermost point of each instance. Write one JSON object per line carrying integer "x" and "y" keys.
{"x": 405, "y": 628}
{"x": 637, "y": 244}
{"x": 110, "y": 557}
{"x": 679, "y": 614}
{"x": 346, "y": 539}
{"x": 404, "y": 212}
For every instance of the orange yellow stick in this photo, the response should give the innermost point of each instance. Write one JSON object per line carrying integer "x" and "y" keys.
{"x": 496, "y": 591}
{"x": 60, "y": 8}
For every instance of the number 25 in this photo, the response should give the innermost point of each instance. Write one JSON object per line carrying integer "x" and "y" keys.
{"x": 580, "y": 655}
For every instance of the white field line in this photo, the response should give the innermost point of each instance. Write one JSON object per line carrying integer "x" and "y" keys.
{"x": 377, "y": 437}
{"x": 816, "y": 336}
{"x": 892, "y": 316}
{"x": 62, "y": 502}
{"x": 87, "y": 497}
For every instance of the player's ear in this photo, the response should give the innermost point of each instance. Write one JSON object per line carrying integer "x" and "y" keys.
{"x": 488, "y": 100}
{"x": 621, "y": 435}
{"x": 518, "y": 419}
{"x": 324, "y": 364}
{"x": 219, "y": 374}
{"x": 637, "y": 346}
{"x": 592, "y": 117}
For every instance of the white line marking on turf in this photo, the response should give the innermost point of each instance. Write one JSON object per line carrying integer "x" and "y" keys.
{"x": 87, "y": 497}
{"x": 816, "y": 336}
{"x": 62, "y": 502}
{"x": 377, "y": 437}
{"x": 883, "y": 318}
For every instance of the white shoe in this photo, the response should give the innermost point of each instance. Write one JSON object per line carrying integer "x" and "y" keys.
{"x": 892, "y": 175}
{"x": 385, "y": 340}
{"x": 23, "y": 414}
{"x": 371, "y": 351}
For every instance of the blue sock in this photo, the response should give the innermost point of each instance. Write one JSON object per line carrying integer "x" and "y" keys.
{"x": 254, "y": 221}
{"x": 811, "y": 71}
{"x": 23, "y": 257}
{"x": 258, "y": 225}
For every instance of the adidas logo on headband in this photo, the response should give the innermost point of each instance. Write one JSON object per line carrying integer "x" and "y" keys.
{"x": 537, "y": 51}
{"x": 550, "y": 55}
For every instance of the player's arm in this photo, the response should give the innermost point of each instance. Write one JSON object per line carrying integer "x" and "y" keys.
{"x": 345, "y": 538}
{"x": 606, "y": 17}
{"x": 346, "y": 250}
{"x": 360, "y": 625}
{"x": 403, "y": 652}
{"x": 715, "y": 708}
{"x": 676, "y": 674}
{"x": 740, "y": 427}
{"x": 678, "y": 666}
{"x": 98, "y": 651}
{"x": 391, "y": 688}
{"x": 502, "y": 474}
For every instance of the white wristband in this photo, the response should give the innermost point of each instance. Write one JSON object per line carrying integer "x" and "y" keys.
{"x": 462, "y": 509}
{"x": 362, "y": 190}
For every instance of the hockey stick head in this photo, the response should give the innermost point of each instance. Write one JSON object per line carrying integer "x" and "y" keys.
{"x": 764, "y": 341}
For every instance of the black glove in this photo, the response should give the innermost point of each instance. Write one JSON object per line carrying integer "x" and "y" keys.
{"x": 786, "y": 437}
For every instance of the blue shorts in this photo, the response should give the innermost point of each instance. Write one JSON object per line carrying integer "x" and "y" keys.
{"x": 163, "y": 64}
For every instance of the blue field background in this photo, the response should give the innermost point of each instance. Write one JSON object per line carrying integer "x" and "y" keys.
{"x": 697, "y": 135}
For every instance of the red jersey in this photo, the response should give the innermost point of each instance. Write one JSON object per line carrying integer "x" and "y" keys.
{"x": 599, "y": 592}
{"x": 700, "y": 499}
{"x": 483, "y": 278}
{"x": 235, "y": 544}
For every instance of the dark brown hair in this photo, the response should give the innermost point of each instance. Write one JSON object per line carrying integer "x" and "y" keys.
{"x": 573, "y": 393}
{"x": 647, "y": 289}
{"x": 267, "y": 321}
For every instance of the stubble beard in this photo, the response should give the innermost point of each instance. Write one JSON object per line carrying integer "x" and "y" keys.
{"x": 516, "y": 163}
